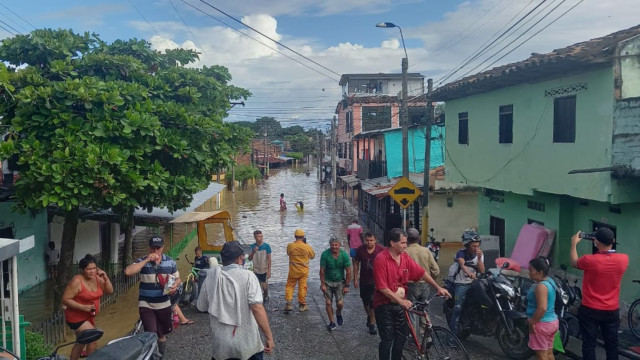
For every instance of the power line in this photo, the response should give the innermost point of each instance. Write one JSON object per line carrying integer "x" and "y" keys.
{"x": 5, "y": 29}
{"x": 187, "y": 26}
{"x": 145, "y": 19}
{"x": 514, "y": 40}
{"x": 274, "y": 40}
{"x": 19, "y": 17}
{"x": 11, "y": 27}
{"x": 260, "y": 42}
{"x": 482, "y": 49}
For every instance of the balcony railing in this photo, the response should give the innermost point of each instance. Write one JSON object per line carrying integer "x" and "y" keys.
{"x": 371, "y": 169}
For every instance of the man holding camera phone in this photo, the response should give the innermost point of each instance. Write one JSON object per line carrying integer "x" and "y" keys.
{"x": 603, "y": 272}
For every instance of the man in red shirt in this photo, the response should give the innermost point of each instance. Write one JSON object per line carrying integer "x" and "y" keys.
{"x": 392, "y": 270}
{"x": 603, "y": 272}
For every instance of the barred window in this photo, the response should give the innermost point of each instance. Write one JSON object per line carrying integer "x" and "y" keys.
{"x": 506, "y": 124}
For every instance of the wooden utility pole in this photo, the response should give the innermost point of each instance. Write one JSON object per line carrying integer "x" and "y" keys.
{"x": 427, "y": 165}
{"x": 333, "y": 154}
{"x": 404, "y": 119}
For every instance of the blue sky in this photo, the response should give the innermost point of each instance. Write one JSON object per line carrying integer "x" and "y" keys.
{"x": 338, "y": 34}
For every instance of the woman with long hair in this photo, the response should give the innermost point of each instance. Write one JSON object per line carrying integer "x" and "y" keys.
{"x": 543, "y": 321}
{"x": 82, "y": 300}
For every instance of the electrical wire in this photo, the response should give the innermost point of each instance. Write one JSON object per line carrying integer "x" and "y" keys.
{"x": 260, "y": 42}
{"x": 11, "y": 27}
{"x": 142, "y": 16}
{"x": 7, "y": 30}
{"x": 19, "y": 17}
{"x": 274, "y": 40}
{"x": 195, "y": 39}
{"x": 483, "y": 47}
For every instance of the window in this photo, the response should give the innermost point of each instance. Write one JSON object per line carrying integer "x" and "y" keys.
{"x": 376, "y": 117}
{"x": 564, "y": 119}
{"x": 535, "y": 205}
{"x": 349, "y": 122}
{"x": 463, "y": 128}
{"x": 506, "y": 124}
{"x": 417, "y": 115}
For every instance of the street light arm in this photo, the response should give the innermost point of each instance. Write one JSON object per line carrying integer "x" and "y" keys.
{"x": 404, "y": 47}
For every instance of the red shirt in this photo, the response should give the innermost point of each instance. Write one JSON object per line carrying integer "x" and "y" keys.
{"x": 601, "y": 282}
{"x": 388, "y": 274}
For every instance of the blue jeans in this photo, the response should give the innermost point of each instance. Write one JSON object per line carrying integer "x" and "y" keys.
{"x": 593, "y": 321}
{"x": 460, "y": 294}
{"x": 418, "y": 291}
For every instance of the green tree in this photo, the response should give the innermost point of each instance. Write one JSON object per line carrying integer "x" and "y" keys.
{"x": 112, "y": 126}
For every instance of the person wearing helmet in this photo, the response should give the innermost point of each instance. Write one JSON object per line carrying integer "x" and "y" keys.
{"x": 470, "y": 261}
{"x": 334, "y": 262}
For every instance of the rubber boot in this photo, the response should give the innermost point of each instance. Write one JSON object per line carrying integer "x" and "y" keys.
{"x": 162, "y": 347}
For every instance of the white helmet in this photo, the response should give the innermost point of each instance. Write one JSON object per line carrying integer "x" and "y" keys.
{"x": 469, "y": 236}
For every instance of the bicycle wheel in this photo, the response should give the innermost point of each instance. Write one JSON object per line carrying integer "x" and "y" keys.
{"x": 410, "y": 351}
{"x": 634, "y": 318}
{"x": 445, "y": 345}
{"x": 188, "y": 292}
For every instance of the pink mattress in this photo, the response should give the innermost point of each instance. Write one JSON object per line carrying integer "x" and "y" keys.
{"x": 533, "y": 240}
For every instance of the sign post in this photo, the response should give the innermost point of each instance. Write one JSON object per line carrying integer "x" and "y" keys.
{"x": 404, "y": 193}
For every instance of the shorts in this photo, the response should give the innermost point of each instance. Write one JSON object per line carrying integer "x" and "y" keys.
{"x": 334, "y": 289}
{"x": 262, "y": 277}
{"x": 542, "y": 338}
{"x": 75, "y": 325}
{"x": 159, "y": 321}
{"x": 366, "y": 294}
{"x": 352, "y": 252}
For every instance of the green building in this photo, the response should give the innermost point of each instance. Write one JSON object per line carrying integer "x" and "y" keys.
{"x": 554, "y": 139}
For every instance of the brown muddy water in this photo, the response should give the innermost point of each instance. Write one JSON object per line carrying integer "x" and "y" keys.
{"x": 256, "y": 207}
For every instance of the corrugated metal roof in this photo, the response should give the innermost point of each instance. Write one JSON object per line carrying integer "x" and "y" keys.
{"x": 349, "y": 179}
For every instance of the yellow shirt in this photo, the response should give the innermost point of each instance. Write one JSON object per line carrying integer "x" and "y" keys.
{"x": 299, "y": 255}
{"x": 424, "y": 258}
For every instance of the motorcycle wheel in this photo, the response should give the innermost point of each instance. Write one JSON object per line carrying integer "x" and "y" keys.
{"x": 515, "y": 343}
{"x": 188, "y": 293}
{"x": 563, "y": 329}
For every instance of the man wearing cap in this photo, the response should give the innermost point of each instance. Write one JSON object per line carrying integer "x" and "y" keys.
{"x": 600, "y": 308}
{"x": 334, "y": 262}
{"x": 154, "y": 305}
{"x": 419, "y": 290}
{"x": 299, "y": 253}
{"x": 233, "y": 298}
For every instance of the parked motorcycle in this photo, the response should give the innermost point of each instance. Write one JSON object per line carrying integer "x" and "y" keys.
{"x": 488, "y": 310}
{"x": 434, "y": 246}
{"x": 569, "y": 295}
{"x": 138, "y": 347}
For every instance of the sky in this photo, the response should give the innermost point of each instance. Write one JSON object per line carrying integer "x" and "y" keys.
{"x": 335, "y": 37}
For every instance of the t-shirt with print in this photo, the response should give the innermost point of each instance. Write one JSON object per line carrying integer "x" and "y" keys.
{"x": 354, "y": 232}
{"x": 462, "y": 278}
{"x": 366, "y": 263}
{"x": 334, "y": 267}
{"x": 260, "y": 264}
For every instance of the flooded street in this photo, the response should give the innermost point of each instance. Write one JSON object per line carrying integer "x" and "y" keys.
{"x": 256, "y": 207}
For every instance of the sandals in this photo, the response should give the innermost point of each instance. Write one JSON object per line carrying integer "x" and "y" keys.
{"x": 189, "y": 322}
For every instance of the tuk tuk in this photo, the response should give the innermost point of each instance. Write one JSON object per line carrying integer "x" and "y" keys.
{"x": 214, "y": 229}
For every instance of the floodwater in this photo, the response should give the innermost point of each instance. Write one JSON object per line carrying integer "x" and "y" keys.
{"x": 253, "y": 208}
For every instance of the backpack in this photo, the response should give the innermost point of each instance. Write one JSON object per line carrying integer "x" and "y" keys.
{"x": 450, "y": 280}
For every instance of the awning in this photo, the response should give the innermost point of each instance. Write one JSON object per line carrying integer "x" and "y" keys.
{"x": 379, "y": 187}
{"x": 351, "y": 180}
{"x": 198, "y": 216}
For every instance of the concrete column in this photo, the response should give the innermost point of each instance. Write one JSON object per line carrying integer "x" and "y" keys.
{"x": 115, "y": 238}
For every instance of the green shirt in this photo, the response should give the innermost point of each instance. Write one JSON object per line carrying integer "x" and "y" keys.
{"x": 334, "y": 267}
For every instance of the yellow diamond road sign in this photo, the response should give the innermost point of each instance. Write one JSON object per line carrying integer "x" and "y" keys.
{"x": 404, "y": 192}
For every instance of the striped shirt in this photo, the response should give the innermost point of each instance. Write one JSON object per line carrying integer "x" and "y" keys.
{"x": 152, "y": 279}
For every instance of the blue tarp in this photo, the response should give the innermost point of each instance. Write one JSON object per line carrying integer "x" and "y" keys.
{"x": 393, "y": 148}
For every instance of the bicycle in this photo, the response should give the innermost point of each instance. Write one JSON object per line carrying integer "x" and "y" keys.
{"x": 189, "y": 289}
{"x": 437, "y": 342}
{"x": 634, "y": 316}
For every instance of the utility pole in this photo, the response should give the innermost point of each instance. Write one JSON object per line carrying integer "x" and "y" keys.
{"x": 266, "y": 156}
{"x": 427, "y": 165}
{"x": 333, "y": 154}
{"x": 404, "y": 119}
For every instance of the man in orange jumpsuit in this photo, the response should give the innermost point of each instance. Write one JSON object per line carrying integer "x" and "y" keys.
{"x": 299, "y": 253}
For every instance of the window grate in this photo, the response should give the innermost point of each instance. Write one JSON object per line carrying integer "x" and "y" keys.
{"x": 566, "y": 90}
{"x": 535, "y": 205}
{"x": 463, "y": 128}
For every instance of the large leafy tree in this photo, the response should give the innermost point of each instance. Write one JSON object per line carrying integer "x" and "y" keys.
{"x": 112, "y": 126}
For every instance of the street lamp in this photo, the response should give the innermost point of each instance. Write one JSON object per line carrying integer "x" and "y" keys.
{"x": 404, "y": 112}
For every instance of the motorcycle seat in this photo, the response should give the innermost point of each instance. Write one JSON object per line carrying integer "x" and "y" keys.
{"x": 511, "y": 274}
{"x": 132, "y": 347}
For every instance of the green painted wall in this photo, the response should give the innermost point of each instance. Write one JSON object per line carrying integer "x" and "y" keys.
{"x": 533, "y": 162}
{"x": 566, "y": 215}
{"x": 31, "y": 264}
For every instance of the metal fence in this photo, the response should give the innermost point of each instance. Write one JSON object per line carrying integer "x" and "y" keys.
{"x": 53, "y": 329}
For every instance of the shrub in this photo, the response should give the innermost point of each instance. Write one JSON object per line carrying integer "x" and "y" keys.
{"x": 295, "y": 155}
{"x": 36, "y": 347}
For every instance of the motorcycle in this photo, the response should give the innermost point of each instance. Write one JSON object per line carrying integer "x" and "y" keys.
{"x": 567, "y": 296}
{"x": 434, "y": 246}
{"x": 138, "y": 347}
{"x": 488, "y": 310}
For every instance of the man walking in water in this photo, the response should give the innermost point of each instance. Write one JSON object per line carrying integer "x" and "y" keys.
{"x": 334, "y": 262}
{"x": 299, "y": 253}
